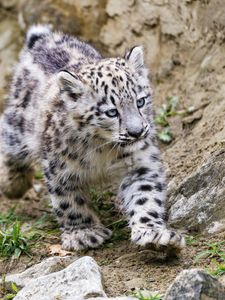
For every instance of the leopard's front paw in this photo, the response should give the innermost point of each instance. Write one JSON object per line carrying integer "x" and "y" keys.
{"x": 80, "y": 239}
{"x": 159, "y": 236}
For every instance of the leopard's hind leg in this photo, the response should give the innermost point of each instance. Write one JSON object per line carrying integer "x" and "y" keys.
{"x": 15, "y": 170}
{"x": 15, "y": 178}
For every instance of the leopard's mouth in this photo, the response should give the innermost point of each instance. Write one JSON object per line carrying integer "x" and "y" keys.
{"x": 132, "y": 142}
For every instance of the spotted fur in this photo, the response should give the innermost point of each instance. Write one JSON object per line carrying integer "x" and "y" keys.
{"x": 85, "y": 119}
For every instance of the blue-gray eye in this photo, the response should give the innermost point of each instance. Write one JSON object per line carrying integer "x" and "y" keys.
{"x": 141, "y": 102}
{"x": 112, "y": 113}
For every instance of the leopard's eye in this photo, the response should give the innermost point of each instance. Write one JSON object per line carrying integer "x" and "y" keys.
{"x": 112, "y": 113}
{"x": 141, "y": 102}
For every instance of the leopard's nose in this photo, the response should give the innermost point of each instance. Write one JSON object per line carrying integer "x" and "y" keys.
{"x": 135, "y": 132}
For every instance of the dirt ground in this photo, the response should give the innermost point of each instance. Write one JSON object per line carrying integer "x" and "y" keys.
{"x": 126, "y": 268}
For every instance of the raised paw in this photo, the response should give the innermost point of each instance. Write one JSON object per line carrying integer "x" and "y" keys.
{"x": 85, "y": 238}
{"x": 159, "y": 236}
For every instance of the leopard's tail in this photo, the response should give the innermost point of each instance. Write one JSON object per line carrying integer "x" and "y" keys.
{"x": 35, "y": 33}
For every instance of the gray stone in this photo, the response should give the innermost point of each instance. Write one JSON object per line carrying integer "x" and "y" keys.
{"x": 195, "y": 284}
{"x": 80, "y": 280}
{"x": 198, "y": 202}
{"x": 47, "y": 266}
{"x": 222, "y": 279}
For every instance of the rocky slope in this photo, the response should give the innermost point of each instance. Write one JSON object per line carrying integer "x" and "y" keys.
{"x": 184, "y": 47}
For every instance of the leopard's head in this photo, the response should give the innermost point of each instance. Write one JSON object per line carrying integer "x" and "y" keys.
{"x": 112, "y": 99}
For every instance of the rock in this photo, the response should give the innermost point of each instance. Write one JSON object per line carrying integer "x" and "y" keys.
{"x": 176, "y": 126}
{"x": 171, "y": 24}
{"x": 56, "y": 277}
{"x": 112, "y": 34}
{"x": 199, "y": 200}
{"x": 149, "y": 13}
{"x": 195, "y": 284}
{"x": 222, "y": 280}
{"x": 117, "y": 7}
{"x": 38, "y": 188}
{"x": 10, "y": 43}
{"x": 9, "y": 3}
{"x": 196, "y": 116}
{"x": 216, "y": 227}
{"x": 165, "y": 70}
{"x": 80, "y": 280}
{"x": 75, "y": 17}
{"x": 47, "y": 266}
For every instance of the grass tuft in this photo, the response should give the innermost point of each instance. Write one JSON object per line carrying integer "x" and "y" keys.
{"x": 216, "y": 253}
{"x": 214, "y": 250}
{"x": 191, "y": 240}
{"x": 103, "y": 204}
{"x": 9, "y": 218}
{"x": 13, "y": 242}
{"x": 218, "y": 269}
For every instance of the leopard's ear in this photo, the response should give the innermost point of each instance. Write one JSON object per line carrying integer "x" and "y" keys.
{"x": 135, "y": 56}
{"x": 70, "y": 83}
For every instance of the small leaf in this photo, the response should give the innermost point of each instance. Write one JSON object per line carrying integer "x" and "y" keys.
{"x": 38, "y": 175}
{"x": 9, "y": 296}
{"x": 17, "y": 252}
{"x": 201, "y": 255}
{"x": 165, "y": 135}
{"x": 57, "y": 250}
{"x": 173, "y": 103}
{"x": 14, "y": 287}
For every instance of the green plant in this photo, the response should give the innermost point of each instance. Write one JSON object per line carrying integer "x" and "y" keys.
{"x": 45, "y": 227}
{"x": 13, "y": 242}
{"x": 8, "y": 218}
{"x": 104, "y": 205}
{"x": 8, "y": 293}
{"x": 214, "y": 250}
{"x": 101, "y": 198}
{"x": 165, "y": 135}
{"x": 218, "y": 270}
{"x": 167, "y": 110}
{"x": 153, "y": 296}
{"x": 119, "y": 230}
{"x": 38, "y": 175}
{"x": 190, "y": 239}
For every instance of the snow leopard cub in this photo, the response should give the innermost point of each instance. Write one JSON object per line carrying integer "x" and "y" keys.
{"x": 85, "y": 119}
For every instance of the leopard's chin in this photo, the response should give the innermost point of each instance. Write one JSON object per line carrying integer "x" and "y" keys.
{"x": 134, "y": 146}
